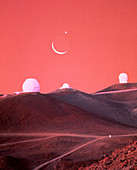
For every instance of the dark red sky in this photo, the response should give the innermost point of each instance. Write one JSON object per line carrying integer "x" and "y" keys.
{"x": 102, "y": 36}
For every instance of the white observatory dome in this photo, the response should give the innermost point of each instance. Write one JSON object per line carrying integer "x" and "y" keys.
{"x": 31, "y": 85}
{"x": 123, "y": 78}
{"x": 65, "y": 86}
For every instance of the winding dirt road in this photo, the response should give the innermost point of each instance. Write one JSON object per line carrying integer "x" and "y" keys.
{"x": 117, "y": 91}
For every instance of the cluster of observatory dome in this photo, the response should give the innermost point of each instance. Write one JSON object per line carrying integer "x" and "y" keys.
{"x": 32, "y": 85}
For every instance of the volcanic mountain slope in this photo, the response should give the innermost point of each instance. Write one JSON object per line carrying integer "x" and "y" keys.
{"x": 119, "y": 107}
{"x": 121, "y": 86}
{"x": 74, "y": 127}
{"x": 39, "y": 112}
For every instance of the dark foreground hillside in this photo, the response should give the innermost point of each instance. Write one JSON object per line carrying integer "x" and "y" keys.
{"x": 68, "y": 128}
{"x": 121, "y": 158}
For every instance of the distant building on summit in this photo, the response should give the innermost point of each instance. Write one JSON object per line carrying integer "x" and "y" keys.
{"x": 31, "y": 85}
{"x": 123, "y": 78}
{"x": 17, "y": 92}
{"x": 65, "y": 86}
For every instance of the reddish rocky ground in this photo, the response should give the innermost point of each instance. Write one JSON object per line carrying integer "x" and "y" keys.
{"x": 69, "y": 130}
{"x": 122, "y": 158}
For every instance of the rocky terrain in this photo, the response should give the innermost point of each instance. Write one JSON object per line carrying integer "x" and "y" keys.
{"x": 69, "y": 129}
{"x": 121, "y": 158}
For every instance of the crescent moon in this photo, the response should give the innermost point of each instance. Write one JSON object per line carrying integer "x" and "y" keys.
{"x": 58, "y": 52}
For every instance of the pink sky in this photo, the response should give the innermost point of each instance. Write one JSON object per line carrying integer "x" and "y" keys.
{"x": 101, "y": 41}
